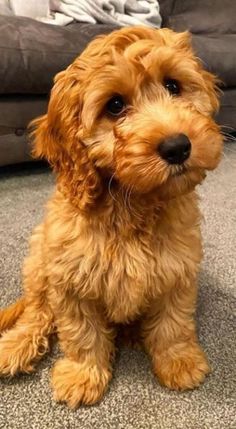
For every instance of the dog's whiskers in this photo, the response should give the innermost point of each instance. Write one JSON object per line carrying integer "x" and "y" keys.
{"x": 109, "y": 188}
{"x": 132, "y": 209}
{"x": 228, "y": 138}
{"x": 232, "y": 129}
{"x": 128, "y": 205}
{"x": 126, "y": 199}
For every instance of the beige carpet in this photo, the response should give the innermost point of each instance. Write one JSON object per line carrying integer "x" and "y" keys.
{"x": 134, "y": 400}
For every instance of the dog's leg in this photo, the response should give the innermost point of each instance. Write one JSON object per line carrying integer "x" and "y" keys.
{"x": 26, "y": 342}
{"x": 30, "y": 320}
{"x": 82, "y": 376}
{"x": 170, "y": 338}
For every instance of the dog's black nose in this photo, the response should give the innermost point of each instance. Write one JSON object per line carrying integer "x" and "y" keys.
{"x": 175, "y": 149}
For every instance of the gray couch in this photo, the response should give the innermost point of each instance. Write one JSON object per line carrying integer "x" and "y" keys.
{"x": 31, "y": 53}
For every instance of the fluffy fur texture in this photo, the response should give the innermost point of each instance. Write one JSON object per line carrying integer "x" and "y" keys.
{"x": 120, "y": 242}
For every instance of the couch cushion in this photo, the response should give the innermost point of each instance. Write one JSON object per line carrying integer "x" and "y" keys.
{"x": 31, "y": 52}
{"x": 218, "y": 53}
{"x": 166, "y": 7}
{"x": 16, "y": 111}
{"x": 201, "y": 16}
{"x": 227, "y": 112}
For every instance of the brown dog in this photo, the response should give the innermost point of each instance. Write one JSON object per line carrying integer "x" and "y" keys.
{"x": 129, "y": 133}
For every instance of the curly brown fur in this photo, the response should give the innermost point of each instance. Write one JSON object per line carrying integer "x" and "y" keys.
{"x": 121, "y": 238}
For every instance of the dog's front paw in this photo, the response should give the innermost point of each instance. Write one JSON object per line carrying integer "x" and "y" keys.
{"x": 14, "y": 356}
{"x": 78, "y": 383}
{"x": 183, "y": 366}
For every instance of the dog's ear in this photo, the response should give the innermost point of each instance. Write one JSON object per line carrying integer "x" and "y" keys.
{"x": 211, "y": 86}
{"x": 209, "y": 82}
{"x": 177, "y": 40}
{"x": 183, "y": 40}
{"x": 56, "y": 138}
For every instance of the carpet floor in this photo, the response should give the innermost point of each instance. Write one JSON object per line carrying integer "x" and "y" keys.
{"x": 134, "y": 399}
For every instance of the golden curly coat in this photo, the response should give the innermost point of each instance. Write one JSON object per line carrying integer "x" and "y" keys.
{"x": 121, "y": 240}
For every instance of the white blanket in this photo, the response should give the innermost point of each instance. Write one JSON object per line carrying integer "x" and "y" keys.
{"x": 63, "y": 12}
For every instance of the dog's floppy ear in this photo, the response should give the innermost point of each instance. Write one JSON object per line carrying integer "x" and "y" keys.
{"x": 177, "y": 40}
{"x": 184, "y": 41}
{"x": 55, "y": 138}
{"x": 209, "y": 82}
{"x": 211, "y": 86}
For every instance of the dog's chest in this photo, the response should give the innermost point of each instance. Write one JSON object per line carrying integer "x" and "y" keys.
{"x": 119, "y": 271}
{"x": 124, "y": 273}
{"x": 130, "y": 277}
{"x": 130, "y": 271}
{"x": 123, "y": 268}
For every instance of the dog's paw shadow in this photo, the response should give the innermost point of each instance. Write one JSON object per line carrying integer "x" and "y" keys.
{"x": 131, "y": 365}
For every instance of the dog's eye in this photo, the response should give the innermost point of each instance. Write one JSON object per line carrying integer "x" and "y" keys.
{"x": 172, "y": 86}
{"x": 115, "y": 106}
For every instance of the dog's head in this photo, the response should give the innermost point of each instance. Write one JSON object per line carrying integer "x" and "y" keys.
{"x": 136, "y": 106}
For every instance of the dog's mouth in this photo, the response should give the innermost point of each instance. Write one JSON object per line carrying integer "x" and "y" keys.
{"x": 178, "y": 170}
{"x": 187, "y": 172}
{"x": 180, "y": 181}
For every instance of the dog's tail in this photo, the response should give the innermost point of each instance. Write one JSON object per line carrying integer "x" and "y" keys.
{"x": 9, "y": 315}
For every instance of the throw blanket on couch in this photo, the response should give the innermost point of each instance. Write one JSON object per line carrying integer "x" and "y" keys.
{"x": 63, "y": 12}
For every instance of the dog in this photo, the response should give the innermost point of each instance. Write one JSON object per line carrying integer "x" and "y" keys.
{"x": 129, "y": 133}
